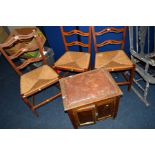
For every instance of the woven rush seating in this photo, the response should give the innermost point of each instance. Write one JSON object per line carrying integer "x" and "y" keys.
{"x": 37, "y": 79}
{"x": 113, "y": 60}
{"x": 78, "y": 61}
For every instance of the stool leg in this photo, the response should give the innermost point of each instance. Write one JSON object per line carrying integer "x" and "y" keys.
{"x": 116, "y": 107}
{"x": 72, "y": 118}
{"x": 132, "y": 71}
{"x": 33, "y": 100}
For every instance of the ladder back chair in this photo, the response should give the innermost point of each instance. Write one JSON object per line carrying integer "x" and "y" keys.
{"x": 143, "y": 56}
{"x": 36, "y": 80}
{"x": 113, "y": 60}
{"x": 76, "y": 61}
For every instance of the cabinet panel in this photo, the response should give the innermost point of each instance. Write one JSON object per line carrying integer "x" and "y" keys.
{"x": 85, "y": 115}
{"x": 88, "y": 115}
{"x": 105, "y": 109}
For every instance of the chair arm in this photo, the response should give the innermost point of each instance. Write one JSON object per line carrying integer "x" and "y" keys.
{"x": 142, "y": 58}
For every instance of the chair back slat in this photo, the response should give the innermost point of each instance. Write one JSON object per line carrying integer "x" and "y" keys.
{"x": 137, "y": 42}
{"x": 142, "y": 33}
{"x": 148, "y": 40}
{"x": 77, "y": 43}
{"x": 18, "y": 54}
{"x": 72, "y": 32}
{"x": 27, "y": 62}
{"x": 154, "y": 39}
{"x": 15, "y": 38}
{"x": 107, "y": 42}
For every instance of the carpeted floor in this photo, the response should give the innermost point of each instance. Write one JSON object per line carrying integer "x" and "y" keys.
{"x": 14, "y": 114}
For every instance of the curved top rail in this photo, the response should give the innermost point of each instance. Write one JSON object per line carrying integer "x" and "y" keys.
{"x": 72, "y": 32}
{"x": 16, "y": 38}
{"x": 107, "y": 30}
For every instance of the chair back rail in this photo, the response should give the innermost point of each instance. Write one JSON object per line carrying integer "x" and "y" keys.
{"x": 15, "y": 40}
{"x": 107, "y": 42}
{"x": 77, "y": 43}
{"x": 72, "y": 32}
{"x": 107, "y": 30}
{"x": 76, "y": 32}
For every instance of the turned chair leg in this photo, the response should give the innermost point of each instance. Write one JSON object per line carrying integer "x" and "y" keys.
{"x": 132, "y": 71}
{"x": 26, "y": 101}
{"x": 146, "y": 90}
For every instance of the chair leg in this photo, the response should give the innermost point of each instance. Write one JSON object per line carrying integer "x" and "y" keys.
{"x": 116, "y": 107}
{"x": 132, "y": 71}
{"x": 146, "y": 90}
{"x": 33, "y": 100}
{"x": 143, "y": 99}
{"x": 58, "y": 86}
{"x": 26, "y": 101}
{"x": 72, "y": 118}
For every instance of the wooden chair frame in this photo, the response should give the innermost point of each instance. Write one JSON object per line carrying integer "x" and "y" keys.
{"x": 128, "y": 80}
{"x": 78, "y": 43}
{"x": 18, "y": 69}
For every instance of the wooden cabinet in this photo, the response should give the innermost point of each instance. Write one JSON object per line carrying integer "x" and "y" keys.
{"x": 89, "y": 97}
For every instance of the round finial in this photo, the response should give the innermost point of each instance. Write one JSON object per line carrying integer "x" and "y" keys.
{"x": 16, "y": 37}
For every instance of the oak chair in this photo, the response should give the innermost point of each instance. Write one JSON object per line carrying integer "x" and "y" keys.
{"x": 76, "y": 61}
{"x": 115, "y": 60}
{"x": 36, "y": 80}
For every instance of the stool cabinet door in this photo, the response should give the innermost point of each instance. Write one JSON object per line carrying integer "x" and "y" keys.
{"x": 85, "y": 115}
{"x": 97, "y": 111}
{"x": 105, "y": 109}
